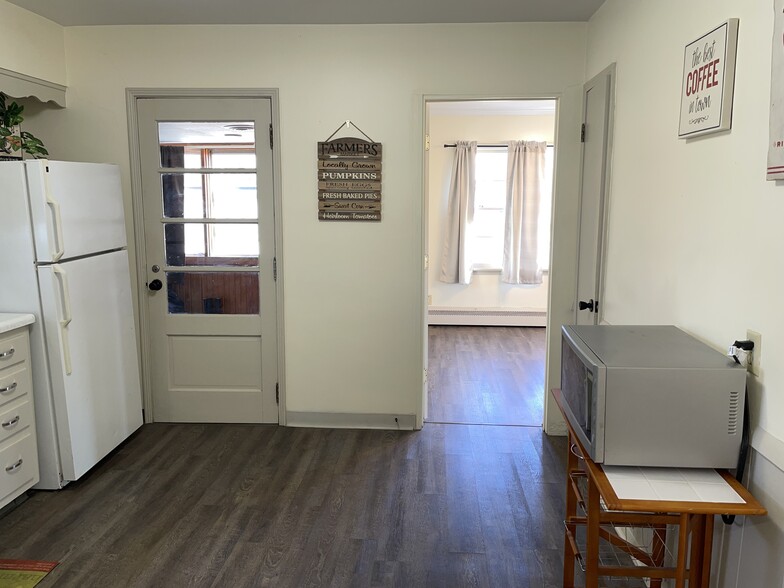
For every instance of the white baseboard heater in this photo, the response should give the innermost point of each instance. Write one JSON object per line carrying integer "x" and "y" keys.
{"x": 498, "y": 317}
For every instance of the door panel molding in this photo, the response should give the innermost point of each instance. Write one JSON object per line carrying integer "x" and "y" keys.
{"x": 133, "y": 95}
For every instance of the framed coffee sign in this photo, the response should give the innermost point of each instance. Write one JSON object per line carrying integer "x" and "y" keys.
{"x": 709, "y": 81}
{"x": 776, "y": 137}
{"x": 349, "y": 179}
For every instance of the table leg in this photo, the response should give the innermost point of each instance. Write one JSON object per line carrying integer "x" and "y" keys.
{"x": 592, "y": 536}
{"x": 571, "y": 510}
{"x": 683, "y": 543}
{"x": 697, "y": 549}
{"x": 707, "y": 551}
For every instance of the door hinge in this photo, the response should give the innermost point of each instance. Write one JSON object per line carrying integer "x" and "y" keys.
{"x": 427, "y": 142}
{"x": 275, "y": 269}
{"x": 277, "y": 393}
{"x": 271, "y": 136}
{"x": 582, "y": 134}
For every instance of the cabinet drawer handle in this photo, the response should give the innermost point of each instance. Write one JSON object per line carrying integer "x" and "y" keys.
{"x": 7, "y": 354}
{"x": 8, "y": 389}
{"x": 10, "y": 424}
{"x": 14, "y": 467}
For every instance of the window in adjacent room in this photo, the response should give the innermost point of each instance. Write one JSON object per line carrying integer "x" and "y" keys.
{"x": 486, "y": 237}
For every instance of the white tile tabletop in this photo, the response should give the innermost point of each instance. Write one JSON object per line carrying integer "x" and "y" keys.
{"x": 677, "y": 484}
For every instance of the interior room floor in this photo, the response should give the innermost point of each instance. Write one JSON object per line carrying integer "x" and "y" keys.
{"x": 245, "y": 505}
{"x": 487, "y": 375}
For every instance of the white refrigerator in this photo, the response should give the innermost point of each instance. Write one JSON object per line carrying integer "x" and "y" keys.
{"x": 63, "y": 258}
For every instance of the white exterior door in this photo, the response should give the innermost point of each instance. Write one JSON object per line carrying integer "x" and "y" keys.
{"x": 207, "y": 181}
{"x": 597, "y": 133}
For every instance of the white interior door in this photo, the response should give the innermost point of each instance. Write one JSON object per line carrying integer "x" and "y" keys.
{"x": 207, "y": 181}
{"x": 597, "y": 133}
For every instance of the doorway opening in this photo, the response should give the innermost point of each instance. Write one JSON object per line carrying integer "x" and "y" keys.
{"x": 486, "y": 337}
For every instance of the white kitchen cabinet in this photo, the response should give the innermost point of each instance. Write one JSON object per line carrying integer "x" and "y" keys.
{"x": 18, "y": 446}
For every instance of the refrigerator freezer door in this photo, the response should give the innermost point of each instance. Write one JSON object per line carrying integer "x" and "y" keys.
{"x": 91, "y": 346}
{"x": 77, "y": 208}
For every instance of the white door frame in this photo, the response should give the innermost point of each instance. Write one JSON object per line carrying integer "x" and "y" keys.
{"x": 132, "y": 95}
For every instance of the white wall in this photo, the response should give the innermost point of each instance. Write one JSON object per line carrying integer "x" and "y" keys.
{"x": 486, "y": 289}
{"x": 694, "y": 229}
{"x": 31, "y": 45}
{"x": 354, "y": 292}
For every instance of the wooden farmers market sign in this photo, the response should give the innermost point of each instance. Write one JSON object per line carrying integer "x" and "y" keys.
{"x": 349, "y": 180}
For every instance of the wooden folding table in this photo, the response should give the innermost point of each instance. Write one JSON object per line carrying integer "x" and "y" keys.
{"x": 596, "y": 517}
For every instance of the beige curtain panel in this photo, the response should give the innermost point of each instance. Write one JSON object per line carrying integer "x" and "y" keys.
{"x": 456, "y": 265}
{"x": 524, "y": 180}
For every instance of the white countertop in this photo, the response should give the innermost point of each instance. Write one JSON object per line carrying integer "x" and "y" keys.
{"x": 10, "y": 321}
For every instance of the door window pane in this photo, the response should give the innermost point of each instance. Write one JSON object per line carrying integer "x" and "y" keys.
{"x": 224, "y": 158}
{"x": 207, "y": 196}
{"x": 213, "y": 292}
{"x": 215, "y": 244}
{"x": 182, "y": 144}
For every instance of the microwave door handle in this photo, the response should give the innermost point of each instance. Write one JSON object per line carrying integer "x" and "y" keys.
{"x": 588, "y": 407}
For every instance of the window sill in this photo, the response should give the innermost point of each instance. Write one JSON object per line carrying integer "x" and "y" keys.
{"x": 489, "y": 271}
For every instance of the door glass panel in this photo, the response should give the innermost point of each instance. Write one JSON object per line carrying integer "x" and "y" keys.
{"x": 214, "y": 244}
{"x": 225, "y": 158}
{"x": 213, "y": 292}
{"x": 209, "y": 196}
{"x": 208, "y": 199}
{"x": 190, "y": 144}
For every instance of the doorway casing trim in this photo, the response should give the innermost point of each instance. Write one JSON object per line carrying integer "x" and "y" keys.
{"x": 132, "y": 95}
{"x": 429, "y": 98}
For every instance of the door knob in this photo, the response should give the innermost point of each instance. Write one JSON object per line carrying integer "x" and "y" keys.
{"x": 155, "y": 285}
{"x": 583, "y": 305}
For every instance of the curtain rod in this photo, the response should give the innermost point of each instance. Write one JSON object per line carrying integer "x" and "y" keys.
{"x": 490, "y": 145}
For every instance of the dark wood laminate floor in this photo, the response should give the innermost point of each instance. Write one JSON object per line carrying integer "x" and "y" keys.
{"x": 242, "y": 505}
{"x": 488, "y": 375}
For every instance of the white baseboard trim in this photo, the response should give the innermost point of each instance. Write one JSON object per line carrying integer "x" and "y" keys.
{"x": 345, "y": 420}
{"x": 770, "y": 447}
{"x": 499, "y": 317}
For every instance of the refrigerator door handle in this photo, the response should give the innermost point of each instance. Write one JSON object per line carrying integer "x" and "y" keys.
{"x": 65, "y": 301}
{"x": 57, "y": 222}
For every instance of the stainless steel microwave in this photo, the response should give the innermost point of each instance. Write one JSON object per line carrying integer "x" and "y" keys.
{"x": 651, "y": 396}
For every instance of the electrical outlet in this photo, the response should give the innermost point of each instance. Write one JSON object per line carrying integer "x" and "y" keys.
{"x": 430, "y": 300}
{"x": 755, "y": 358}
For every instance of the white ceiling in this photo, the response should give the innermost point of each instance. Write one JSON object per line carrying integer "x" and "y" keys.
{"x": 142, "y": 12}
